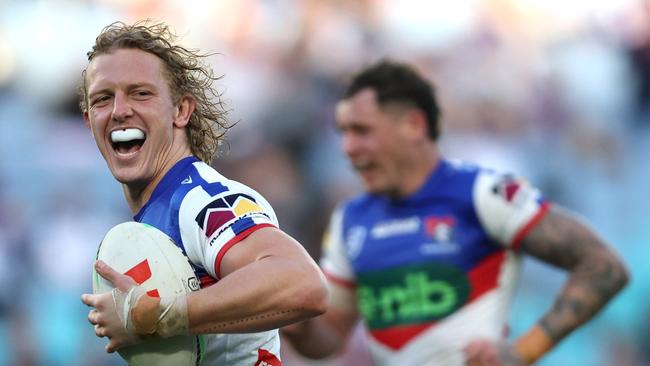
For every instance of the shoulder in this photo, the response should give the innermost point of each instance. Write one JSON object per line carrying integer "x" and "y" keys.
{"x": 507, "y": 205}
{"x": 458, "y": 176}
{"x": 208, "y": 190}
{"x": 502, "y": 186}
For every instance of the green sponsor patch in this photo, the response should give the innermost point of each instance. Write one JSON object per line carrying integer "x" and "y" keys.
{"x": 411, "y": 294}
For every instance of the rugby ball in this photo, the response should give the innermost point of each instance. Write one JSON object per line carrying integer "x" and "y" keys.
{"x": 151, "y": 258}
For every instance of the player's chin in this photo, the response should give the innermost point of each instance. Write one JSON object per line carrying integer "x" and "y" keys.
{"x": 128, "y": 176}
{"x": 379, "y": 187}
{"x": 374, "y": 187}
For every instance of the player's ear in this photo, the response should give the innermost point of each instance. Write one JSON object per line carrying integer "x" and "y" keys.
{"x": 417, "y": 123}
{"x": 184, "y": 110}
{"x": 86, "y": 119}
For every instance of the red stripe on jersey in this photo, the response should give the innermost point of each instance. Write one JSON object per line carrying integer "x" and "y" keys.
{"x": 241, "y": 236}
{"x": 206, "y": 281}
{"x": 521, "y": 234}
{"x": 398, "y": 336}
{"x": 340, "y": 281}
{"x": 485, "y": 275}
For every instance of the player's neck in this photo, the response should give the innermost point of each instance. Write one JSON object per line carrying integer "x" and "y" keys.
{"x": 135, "y": 196}
{"x": 419, "y": 171}
{"x": 138, "y": 194}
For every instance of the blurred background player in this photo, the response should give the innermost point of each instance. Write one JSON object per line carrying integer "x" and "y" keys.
{"x": 429, "y": 256}
{"x": 149, "y": 104}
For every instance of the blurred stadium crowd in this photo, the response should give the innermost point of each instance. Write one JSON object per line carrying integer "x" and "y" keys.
{"x": 556, "y": 91}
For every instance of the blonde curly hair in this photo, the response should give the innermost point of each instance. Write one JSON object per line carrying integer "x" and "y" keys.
{"x": 186, "y": 73}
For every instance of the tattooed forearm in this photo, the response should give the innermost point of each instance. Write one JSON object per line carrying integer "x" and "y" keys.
{"x": 596, "y": 273}
{"x": 260, "y": 320}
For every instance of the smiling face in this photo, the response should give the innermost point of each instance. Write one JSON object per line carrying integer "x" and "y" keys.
{"x": 138, "y": 128}
{"x": 382, "y": 144}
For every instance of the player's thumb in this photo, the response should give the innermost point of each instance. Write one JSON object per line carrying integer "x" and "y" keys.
{"x": 121, "y": 281}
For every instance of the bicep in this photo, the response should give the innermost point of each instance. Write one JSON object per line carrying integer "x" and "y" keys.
{"x": 563, "y": 240}
{"x": 262, "y": 243}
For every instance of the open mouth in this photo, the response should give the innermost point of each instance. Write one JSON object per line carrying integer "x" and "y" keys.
{"x": 127, "y": 141}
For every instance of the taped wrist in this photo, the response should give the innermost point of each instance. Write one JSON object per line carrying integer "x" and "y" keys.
{"x": 162, "y": 317}
{"x": 533, "y": 345}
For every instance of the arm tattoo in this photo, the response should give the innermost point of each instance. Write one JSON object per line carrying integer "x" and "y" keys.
{"x": 596, "y": 273}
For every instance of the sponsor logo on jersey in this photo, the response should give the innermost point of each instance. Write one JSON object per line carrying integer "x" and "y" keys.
{"x": 390, "y": 228}
{"x": 193, "y": 283}
{"x": 225, "y": 210}
{"x": 508, "y": 186}
{"x": 515, "y": 191}
{"x": 411, "y": 294}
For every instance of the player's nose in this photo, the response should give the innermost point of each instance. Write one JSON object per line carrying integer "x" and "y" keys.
{"x": 349, "y": 144}
{"x": 122, "y": 108}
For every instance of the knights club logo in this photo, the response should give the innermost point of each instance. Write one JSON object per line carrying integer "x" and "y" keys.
{"x": 226, "y": 209}
{"x": 440, "y": 228}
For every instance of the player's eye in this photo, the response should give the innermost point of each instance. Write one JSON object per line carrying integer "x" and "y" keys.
{"x": 141, "y": 93}
{"x": 100, "y": 100}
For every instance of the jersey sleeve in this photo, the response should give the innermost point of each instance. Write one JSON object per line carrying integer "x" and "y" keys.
{"x": 508, "y": 207}
{"x": 334, "y": 261}
{"x": 212, "y": 224}
{"x": 336, "y": 266}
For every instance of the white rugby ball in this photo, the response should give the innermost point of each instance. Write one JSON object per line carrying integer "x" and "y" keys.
{"x": 151, "y": 258}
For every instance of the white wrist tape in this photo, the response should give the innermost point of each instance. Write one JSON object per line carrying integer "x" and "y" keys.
{"x": 143, "y": 315}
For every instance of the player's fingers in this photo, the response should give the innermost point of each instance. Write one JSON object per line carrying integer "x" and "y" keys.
{"x": 122, "y": 282}
{"x": 100, "y": 331}
{"x": 88, "y": 299}
{"x": 477, "y": 353}
{"x": 487, "y": 356}
{"x": 111, "y": 347}
{"x": 473, "y": 349}
{"x": 93, "y": 317}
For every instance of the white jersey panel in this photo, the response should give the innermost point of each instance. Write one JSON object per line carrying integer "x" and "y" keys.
{"x": 211, "y": 224}
{"x": 505, "y": 205}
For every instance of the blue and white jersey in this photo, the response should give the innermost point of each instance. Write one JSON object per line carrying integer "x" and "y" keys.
{"x": 206, "y": 214}
{"x": 436, "y": 269}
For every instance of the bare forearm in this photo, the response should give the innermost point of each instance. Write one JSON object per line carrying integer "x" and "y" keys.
{"x": 267, "y": 294}
{"x": 327, "y": 334}
{"x": 314, "y": 338}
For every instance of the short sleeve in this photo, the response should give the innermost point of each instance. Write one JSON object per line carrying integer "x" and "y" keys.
{"x": 212, "y": 224}
{"x": 508, "y": 207}
{"x": 334, "y": 262}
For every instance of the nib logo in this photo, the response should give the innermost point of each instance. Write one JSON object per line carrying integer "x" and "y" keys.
{"x": 140, "y": 273}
